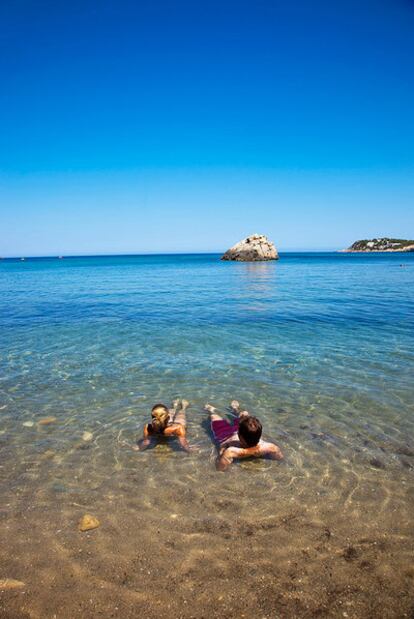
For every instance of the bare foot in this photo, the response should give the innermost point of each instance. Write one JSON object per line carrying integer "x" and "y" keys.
{"x": 135, "y": 447}
{"x": 209, "y": 408}
{"x": 176, "y": 404}
{"x": 185, "y": 404}
{"x": 235, "y": 405}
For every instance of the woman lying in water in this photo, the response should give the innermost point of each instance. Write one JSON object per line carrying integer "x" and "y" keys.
{"x": 166, "y": 423}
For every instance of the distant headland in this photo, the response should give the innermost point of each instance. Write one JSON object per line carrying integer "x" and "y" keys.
{"x": 381, "y": 245}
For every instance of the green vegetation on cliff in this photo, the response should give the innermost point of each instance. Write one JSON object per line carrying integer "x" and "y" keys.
{"x": 382, "y": 244}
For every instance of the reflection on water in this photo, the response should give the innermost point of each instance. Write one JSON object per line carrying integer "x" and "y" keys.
{"x": 257, "y": 282}
{"x": 258, "y": 276}
{"x": 320, "y": 348}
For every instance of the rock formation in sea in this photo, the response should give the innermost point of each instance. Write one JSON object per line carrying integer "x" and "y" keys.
{"x": 254, "y": 248}
{"x": 381, "y": 244}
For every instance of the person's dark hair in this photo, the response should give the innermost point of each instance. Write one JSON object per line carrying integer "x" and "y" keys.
{"x": 160, "y": 416}
{"x": 250, "y": 430}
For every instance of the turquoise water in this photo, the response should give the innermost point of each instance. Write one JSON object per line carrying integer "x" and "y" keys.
{"x": 319, "y": 346}
{"x": 328, "y": 337}
{"x": 331, "y": 333}
{"x": 98, "y": 337}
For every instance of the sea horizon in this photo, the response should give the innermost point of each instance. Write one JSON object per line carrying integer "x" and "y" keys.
{"x": 183, "y": 253}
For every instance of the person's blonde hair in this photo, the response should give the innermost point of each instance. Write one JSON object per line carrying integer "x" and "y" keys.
{"x": 160, "y": 417}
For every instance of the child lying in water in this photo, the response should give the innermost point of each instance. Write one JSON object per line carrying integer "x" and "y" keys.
{"x": 166, "y": 423}
{"x": 241, "y": 439}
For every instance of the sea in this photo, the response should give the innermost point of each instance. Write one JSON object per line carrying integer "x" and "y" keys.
{"x": 319, "y": 346}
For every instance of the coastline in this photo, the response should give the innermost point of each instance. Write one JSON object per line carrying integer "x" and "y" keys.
{"x": 376, "y": 251}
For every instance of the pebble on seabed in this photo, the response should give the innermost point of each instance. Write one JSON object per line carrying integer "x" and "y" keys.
{"x": 10, "y": 583}
{"x": 87, "y": 436}
{"x": 28, "y": 424}
{"x": 46, "y": 421}
{"x": 88, "y": 522}
{"x": 48, "y": 454}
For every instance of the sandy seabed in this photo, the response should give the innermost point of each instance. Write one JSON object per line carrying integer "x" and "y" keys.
{"x": 177, "y": 539}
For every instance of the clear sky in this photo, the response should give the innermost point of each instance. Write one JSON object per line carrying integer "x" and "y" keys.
{"x": 157, "y": 125}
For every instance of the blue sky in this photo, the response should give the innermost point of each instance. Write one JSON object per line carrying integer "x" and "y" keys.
{"x": 184, "y": 126}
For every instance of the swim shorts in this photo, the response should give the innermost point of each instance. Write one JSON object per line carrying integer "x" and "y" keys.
{"x": 223, "y": 430}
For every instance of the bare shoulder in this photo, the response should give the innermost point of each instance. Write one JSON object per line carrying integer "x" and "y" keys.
{"x": 175, "y": 429}
{"x": 271, "y": 450}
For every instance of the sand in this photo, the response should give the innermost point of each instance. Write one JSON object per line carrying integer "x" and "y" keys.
{"x": 177, "y": 539}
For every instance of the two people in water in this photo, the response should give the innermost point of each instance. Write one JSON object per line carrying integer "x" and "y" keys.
{"x": 242, "y": 438}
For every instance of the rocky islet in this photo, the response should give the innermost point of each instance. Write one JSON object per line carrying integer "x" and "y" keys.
{"x": 254, "y": 248}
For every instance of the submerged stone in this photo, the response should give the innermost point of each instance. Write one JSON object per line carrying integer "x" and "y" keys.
{"x": 10, "y": 583}
{"x": 87, "y": 436}
{"x": 377, "y": 463}
{"x": 254, "y": 248}
{"x": 88, "y": 522}
{"x": 48, "y": 454}
{"x": 58, "y": 487}
{"x": 46, "y": 421}
{"x": 406, "y": 463}
{"x": 405, "y": 450}
{"x": 350, "y": 553}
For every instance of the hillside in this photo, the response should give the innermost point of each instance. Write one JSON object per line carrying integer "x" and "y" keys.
{"x": 381, "y": 244}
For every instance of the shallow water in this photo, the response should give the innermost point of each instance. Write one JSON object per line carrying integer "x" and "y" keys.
{"x": 319, "y": 346}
